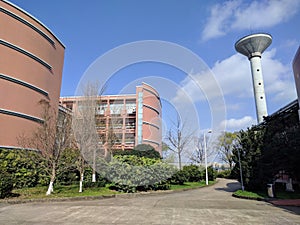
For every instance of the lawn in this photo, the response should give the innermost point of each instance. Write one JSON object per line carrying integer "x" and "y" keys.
{"x": 251, "y": 195}
{"x": 261, "y": 195}
{"x": 72, "y": 191}
{"x": 61, "y": 192}
{"x": 188, "y": 185}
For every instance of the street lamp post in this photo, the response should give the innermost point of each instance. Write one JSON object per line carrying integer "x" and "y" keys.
{"x": 205, "y": 156}
{"x": 241, "y": 172}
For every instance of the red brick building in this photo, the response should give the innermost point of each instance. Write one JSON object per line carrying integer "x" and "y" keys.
{"x": 135, "y": 119}
{"x": 31, "y": 66}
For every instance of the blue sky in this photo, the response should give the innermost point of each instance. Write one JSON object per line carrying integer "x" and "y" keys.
{"x": 209, "y": 29}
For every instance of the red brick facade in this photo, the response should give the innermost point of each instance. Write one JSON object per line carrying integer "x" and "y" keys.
{"x": 135, "y": 119}
{"x": 30, "y": 70}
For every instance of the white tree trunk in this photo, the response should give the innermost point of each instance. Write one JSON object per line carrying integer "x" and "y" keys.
{"x": 80, "y": 183}
{"x": 94, "y": 167}
{"x": 50, "y": 188}
{"x": 94, "y": 176}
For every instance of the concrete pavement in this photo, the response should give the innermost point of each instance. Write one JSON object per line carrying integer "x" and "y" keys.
{"x": 209, "y": 205}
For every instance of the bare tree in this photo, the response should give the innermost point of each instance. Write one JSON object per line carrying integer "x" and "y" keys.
{"x": 51, "y": 138}
{"x": 167, "y": 155}
{"x": 225, "y": 144}
{"x": 110, "y": 138}
{"x": 179, "y": 138}
{"x": 198, "y": 154}
{"x": 84, "y": 125}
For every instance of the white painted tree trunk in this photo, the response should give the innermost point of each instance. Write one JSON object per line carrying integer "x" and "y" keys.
{"x": 52, "y": 179}
{"x": 80, "y": 183}
{"x": 94, "y": 167}
{"x": 94, "y": 176}
{"x": 50, "y": 188}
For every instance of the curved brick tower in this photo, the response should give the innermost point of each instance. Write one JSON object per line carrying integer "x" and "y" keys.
{"x": 31, "y": 66}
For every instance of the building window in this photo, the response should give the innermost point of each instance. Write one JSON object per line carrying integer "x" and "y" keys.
{"x": 129, "y": 139}
{"x": 116, "y": 107}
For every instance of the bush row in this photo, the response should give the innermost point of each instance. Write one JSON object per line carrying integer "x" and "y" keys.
{"x": 192, "y": 173}
{"x": 126, "y": 173}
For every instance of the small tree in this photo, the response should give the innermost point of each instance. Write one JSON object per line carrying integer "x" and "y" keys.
{"x": 72, "y": 161}
{"x": 81, "y": 165}
{"x": 179, "y": 138}
{"x": 167, "y": 155}
{"x": 51, "y": 138}
{"x": 109, "y": 138}
{"x": 226, "y": 144}
{"x": 198, "y": 155}
{"x": 249, "y": 146}
{"x": 84, "y": 126}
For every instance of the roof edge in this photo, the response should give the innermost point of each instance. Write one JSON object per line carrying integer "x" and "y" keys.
{"x": 28, "y": 14}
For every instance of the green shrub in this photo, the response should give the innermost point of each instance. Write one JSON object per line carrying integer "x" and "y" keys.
{"x": 212, "y": 174}
{"x": 98, "y": 183}
{"x": 179, "y": 177}
{"x": 193, "y": 173}
{"x": 224, "y": 174}
{"x": 144, "y": 147}
{"x": 67, "y": 177}
{"x": 142, "y": 150}
{"x": 23, "y": 165}
{"x": 67, "y": 172}
{"x": 101, "y": 181}
{"x": 130, "y": 173}
{"x": 6, "y": 184}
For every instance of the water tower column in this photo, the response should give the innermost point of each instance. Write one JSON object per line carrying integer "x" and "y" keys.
{"x": 253, "y": 46}
{"x": 258, "y": 87}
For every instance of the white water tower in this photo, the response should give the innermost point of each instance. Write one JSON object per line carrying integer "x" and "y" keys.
{"x": 253, "y": 46}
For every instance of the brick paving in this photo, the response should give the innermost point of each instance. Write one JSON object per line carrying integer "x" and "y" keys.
{"x": 286, "y": 202}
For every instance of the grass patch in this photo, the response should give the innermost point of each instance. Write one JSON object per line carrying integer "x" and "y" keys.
{"x": 70, "y": 191}
{"x": 260, "y": 195}
{"x": 250, "y": 195}
{"x": 287, "y": 195}
{"x": 61, "y": 192}
{"x": 188, "y": 185}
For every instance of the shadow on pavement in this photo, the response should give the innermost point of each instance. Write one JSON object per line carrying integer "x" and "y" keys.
{"x": 291, "y": 209}
{"x": 231, "y": 187}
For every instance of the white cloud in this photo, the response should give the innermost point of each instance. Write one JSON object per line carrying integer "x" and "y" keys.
{"x": 239, "y": 15}
{"x": 263, "y": 14}
{"x": 233, "y": 74}
{"x": 290, "y": 44}
{"x": 218, "y": 20}
{"x": 278, "y": 78}
{"x": 239, "y": 124}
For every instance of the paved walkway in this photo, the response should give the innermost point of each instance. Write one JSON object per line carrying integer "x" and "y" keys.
{"x": 209, "y": 205}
